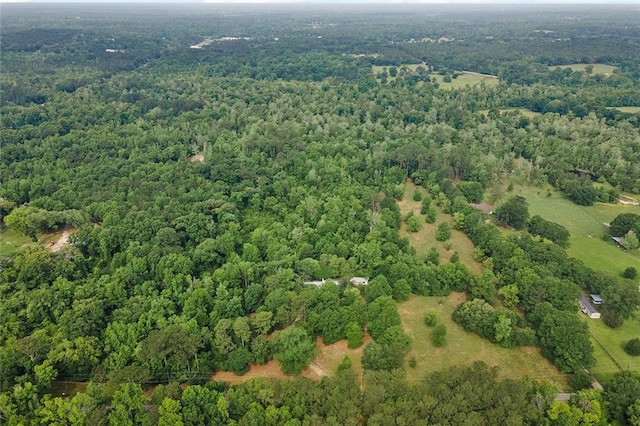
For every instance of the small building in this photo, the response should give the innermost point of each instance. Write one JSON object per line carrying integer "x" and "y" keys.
{"x": 618, "y": 241}
{"x": 359, "y": 281}
{"x": 321, "y": 282}
{"x": 596, "y": 299}
{"x": 488, "y": 209}
{"x": 588, "y": 308}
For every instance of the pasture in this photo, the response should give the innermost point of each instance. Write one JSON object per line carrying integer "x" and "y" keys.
{"x": 424, "y": 239}
{"x": 597, "y": 68}
{"x": 463, "y": 348}
{"x": 629, "y": 109}
{"x": 614, "y": 358}
{"x": 586, "y": 226}
{"x": 465, "y": 79}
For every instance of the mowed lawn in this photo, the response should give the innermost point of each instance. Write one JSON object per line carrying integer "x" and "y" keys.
{"x": 614, "y": 358}
{"x": 586, "y": 226}
{"x": 463, "y": 348}
{"x": 425, "y": 239}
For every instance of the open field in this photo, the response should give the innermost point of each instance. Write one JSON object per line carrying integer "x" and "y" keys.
{"x": 463, "y": 348}
{"x": 325, "y": 364}
{"x": 376, "y": 69}
{"x": 597, "y": 68}
{"x": 11, "y": 240}
{"x": 424, "y": 239}
{"x": 613, "y": 340}
{"x": 586, "y": 226}
{"x": 629, "y": 109}
{"x": 465, "y": 79}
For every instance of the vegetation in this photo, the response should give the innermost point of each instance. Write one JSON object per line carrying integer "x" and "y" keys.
{"x": 224, "y": 190}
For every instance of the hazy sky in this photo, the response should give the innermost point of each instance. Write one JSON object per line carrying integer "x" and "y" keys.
{"x": 559, "y": 2}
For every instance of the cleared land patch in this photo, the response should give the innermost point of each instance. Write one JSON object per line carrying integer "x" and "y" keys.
{"x": 424, "y": 239}
{"x": 464, "y": 79}
{"x": 463, "y": 348}
{"x": 629, "y": 109}
{"x": 325, "y": 364}
{"x": 586, "y": 226}
{"x": 597, "y": 68}
{"x": 11, "y": 240}
{"x": 614, "y": 359}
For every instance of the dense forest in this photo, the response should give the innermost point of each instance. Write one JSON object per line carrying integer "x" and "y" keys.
{"x": 208, "y": 161}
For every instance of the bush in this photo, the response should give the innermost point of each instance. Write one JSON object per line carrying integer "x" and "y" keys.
{"x": 417, "y": 195}
{"x": 444, "y": 231}
{"x": 414, "y": 223}
{"x": 632, "y": 347}
{"x": 431, "y": 215}
{"x": 525, "y": 337}
{"x": 630, "y": 273}
{"x": 439, "y": 335}
{"x": 431, "y": 319}
{"x": 581, "y": 380}
{"x": 426, "y": 203}
{"x": 413, "y": 362}
{"x": 612, "y": 319}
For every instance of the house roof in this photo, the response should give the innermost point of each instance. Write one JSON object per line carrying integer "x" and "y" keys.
{"x": 484, "y": 207}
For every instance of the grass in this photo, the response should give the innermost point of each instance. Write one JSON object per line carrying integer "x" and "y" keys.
{"x": 377, "y": 69}
{"x": 423, "y": 240}
{"x": 614, "y": 359}
{"x": 597, "y": 68}
{"x": 586, "y": 226}
{"x": 11, "y": 240}
{"x": 463, "y": 348}
{"x": 629, "y": 109}
{"x": 463, "y": 80}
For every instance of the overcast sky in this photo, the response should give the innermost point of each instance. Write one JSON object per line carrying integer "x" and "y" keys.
{"x": 559, "y": 2}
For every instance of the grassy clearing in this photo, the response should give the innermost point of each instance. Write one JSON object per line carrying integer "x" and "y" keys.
{"x": 463, "y": 348}
{"x": 613, "y": 340}
{"x": 11, "y": 240}
{"x": 377, "y": 69}
{"x": 465, "y": 79}
{"x": 597, "y": 68}
{"x": 424, "y": 239}
{"x": 586, "y": 226}
{"x": 326, "y": 363}
{"x": 629, "y": 109}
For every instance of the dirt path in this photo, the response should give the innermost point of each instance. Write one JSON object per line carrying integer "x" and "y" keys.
{"x": 62, "y": 242}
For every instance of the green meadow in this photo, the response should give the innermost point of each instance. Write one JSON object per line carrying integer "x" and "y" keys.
{"x": 597, "y": 68}
{"x": 11, "y": 240}
{"x": 463, "y": 348}
{"x": 586, "y": 226}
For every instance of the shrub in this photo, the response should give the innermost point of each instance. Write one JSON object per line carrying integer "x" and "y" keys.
{"x": 426, "y": 203}
{"x": 581, "y": 380}
{"x": 431, "y": 215}
{"x": 439, "y": 335}
{"x": 444, "y": 231}
{"x": 414, "y": 223}
{"x": 630, "y": 273}
{"x": 417, "y": 195}
{"x": 632, "y": 347}
{"x": 413, "y": 362}
{"x": 431, "y": 319}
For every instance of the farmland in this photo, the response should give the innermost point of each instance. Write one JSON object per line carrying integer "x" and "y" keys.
{"x": 586, "y": 226}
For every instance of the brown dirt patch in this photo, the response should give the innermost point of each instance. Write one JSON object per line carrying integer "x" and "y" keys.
{"x": 62, "y": 242}
{"x": 457, "y": 298}
{"x": 198, "y": 158}
{"x": 328, "y": 359}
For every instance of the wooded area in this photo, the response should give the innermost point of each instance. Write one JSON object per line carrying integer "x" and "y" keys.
{"x": 206, "y": 161}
